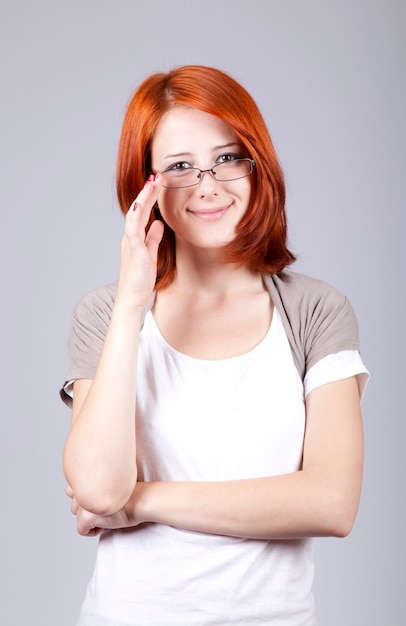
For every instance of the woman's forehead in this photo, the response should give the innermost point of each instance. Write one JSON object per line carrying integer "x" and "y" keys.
{"x": 186, "y": 129}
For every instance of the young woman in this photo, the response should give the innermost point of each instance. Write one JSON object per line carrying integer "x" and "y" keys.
{"x": 216, "y": 424}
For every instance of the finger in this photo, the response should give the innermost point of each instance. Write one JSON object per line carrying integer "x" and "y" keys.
{"x": 134, "y": 206}
{"x": 85, "y": 530}
{"x": 69, "y": 491}
{"x": 140, "y": 209}
{"x": 154, "y": 237}
{"x": 74, "y": 507}
{"x": 93, "y": 532}
{"x": 87, "y": 524}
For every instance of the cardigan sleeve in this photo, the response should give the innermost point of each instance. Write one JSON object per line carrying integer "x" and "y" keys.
{"x": 318, "y": 319}
{"x": 89, "y": 324}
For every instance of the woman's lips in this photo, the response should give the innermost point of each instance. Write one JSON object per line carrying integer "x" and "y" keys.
{"x": 210, "y": 215}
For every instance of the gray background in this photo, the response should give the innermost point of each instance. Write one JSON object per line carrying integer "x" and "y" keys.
{"x": 329, "y": 78}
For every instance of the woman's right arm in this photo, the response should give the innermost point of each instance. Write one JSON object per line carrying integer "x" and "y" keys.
{"x": 99, "y": 456}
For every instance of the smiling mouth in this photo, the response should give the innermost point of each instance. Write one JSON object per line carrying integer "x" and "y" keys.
{"x": 210, "y": 215}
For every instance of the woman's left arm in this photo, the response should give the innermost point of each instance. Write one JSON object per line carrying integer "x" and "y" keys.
{"x": 319, "y": 500}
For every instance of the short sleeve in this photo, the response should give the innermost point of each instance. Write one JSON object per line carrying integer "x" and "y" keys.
{"x": 337, "y": 366}
{"x": 89, "y": 325}
{"x": 331, "y": 327}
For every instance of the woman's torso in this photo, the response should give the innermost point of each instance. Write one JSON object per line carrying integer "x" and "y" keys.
{"x": 209, "y": 419}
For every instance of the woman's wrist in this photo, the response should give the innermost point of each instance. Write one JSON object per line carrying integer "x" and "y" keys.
{"x": 140, "y": 507}
{"x": 128, "y": 308}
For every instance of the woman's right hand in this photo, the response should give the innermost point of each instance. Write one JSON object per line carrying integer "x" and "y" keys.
{"x": 139, "y": 250}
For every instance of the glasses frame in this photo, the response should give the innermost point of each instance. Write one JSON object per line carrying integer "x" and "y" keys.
{"x": 213, "y": 173}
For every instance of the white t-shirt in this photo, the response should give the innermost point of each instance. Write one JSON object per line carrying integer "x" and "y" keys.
{"x": 213, "y": 420}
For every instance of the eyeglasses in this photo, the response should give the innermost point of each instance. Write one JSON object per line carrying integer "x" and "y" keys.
{"x": 181, "y": 176}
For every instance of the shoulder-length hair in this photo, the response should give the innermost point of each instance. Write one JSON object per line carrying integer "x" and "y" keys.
{"x": 261, "y": 236}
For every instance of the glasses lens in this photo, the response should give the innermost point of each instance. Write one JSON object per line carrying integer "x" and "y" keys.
{"x": 231, "y": 170}
{"x": 180, "y": 178}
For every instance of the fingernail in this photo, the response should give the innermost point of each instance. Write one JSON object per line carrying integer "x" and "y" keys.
{"x": 156, "y": 176}
{"x": 136, "y": 205}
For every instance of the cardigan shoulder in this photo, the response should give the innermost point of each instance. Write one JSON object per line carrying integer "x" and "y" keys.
{"x": 318, "y": 319}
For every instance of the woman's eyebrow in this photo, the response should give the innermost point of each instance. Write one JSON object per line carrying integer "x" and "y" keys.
{"x": 177, "y": 155}
{"x": 214, "y": 149}
{"x": 227, "y": 145}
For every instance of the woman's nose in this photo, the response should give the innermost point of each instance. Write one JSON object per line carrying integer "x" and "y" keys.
{"x": 208, "y": 183}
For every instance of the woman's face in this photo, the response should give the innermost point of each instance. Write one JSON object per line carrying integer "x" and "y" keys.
{"x": 205, "y": 215}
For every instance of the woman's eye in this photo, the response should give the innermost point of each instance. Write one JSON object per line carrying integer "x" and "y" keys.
{"x": 181, "y": 166}
{"x": 226, "y": 158}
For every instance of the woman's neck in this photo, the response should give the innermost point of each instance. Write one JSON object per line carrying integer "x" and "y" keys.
{"x": 205, "y": 273}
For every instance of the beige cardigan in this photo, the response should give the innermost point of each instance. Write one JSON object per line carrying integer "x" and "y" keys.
{"x": 317, "y": 318}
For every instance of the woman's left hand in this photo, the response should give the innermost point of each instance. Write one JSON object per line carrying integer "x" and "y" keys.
{"x": 91, "y": 524}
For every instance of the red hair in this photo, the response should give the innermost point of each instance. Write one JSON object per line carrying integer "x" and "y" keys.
{"x": 261, "y": 236}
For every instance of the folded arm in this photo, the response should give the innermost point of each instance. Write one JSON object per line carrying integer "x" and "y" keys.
{"x": 319, "y": 500}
